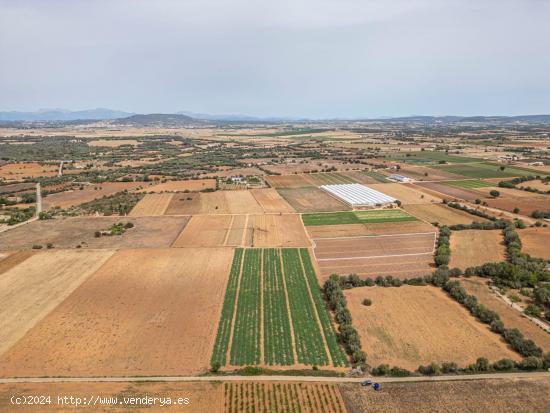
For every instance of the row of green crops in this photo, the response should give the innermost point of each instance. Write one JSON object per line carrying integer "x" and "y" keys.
{"x": 377, "y": 176}
{"x": 336, "y": 352}
{"x": 277, "y": 334}
{"x": 357, "y": 217}
{"x": 245, "y": 347}
{"x": 470, "y": 183}
{"x": 307, "y": 334}
{"x": 487, "y": 170}
{"x": 226, "y": 320}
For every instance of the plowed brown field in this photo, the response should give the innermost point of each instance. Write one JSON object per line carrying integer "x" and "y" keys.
{"x": 145, "y": 312}
{"x": 510, "y": 317}
{"x": 312, "y": 200}
{"x": 536, "y": 242}
{"x": 11, "y": 260}
{"x": 475, "y": 247}
{"x": 151, "y": 205}
{"x": 401, "y": 255}
{"x": 411, "y": 326}
{"x": 451, "y": 191}
{"x": 34, "y": 287}
{"x": 270, "y": 200}
{"x": 75, "y": 197}
{"x": 287, "y": 181}
{"x": 479, "y": 396}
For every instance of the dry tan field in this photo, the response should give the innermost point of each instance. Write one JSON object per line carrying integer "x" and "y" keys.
{"x": 244, "y": 230}
{"x": 479, "y": 396}
{"x": 148, "y": 232}
{"x": 22, "y": 170}
{"x": 406, "y": 193}
{"x": 472, "y": 247}
{"x": 287, "y": 181}
{"x": 535, "y": 242}
{"x": 9, "y": 260}
{"x": 219, "y": 202}
{"x": 228, "y": 171}
{"x": 527, "y": 202}
{"x": 152, "y": 205}
{"x": 511, "y": 318}
{"x": 541, "y": 186}
{"x": 112, "y": 143}
{"x": 181, "y": 186}
{"x": 270, "y": 200}
{"x": 204, "y": 397}
{"x": 442, "y": 214}
{"x": 411, "y": 326}
{"x": 145, "y": 312}
{"x": 312, "y": 199}
{"x": 34, "y": 287}
{"x": 75, "y": 197}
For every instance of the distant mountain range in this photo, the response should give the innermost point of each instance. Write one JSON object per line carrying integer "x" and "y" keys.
{"x": 64, "y": 115}
{"x": 182, "y": 118}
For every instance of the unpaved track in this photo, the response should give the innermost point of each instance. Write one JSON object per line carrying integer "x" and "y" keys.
{"x": 515, "y": 375}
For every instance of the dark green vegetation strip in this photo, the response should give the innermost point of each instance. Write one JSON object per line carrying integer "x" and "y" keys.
{"x": 486, "y": 170}
{"x": 277, "y": 335}
{"x": 226, "y": 319}
{"x": 470, "y": 183}
{"x": 309, "y": 341}
{"x": 357, "y": 217}
{"x": 336, "y": 352}
{"x": 245, "y": 348}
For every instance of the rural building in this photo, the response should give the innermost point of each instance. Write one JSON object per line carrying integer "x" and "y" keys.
{"x": 400, "y": 178}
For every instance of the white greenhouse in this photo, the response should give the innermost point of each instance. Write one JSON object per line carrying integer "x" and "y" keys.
{"x": 357, "y": 195}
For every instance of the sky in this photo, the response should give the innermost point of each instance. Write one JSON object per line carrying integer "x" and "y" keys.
{"x": 288, "y": 58}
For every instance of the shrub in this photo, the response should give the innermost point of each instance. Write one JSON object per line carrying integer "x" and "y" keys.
{"x": 494, "y": 193}
{"x": 367, "y": 302}
{"x": 531, "y": 363}
{"x": 37, "y": 247}
{"x": 533, "y": 310}
{"x": 381, "y": 370}
{"x": 429, "y": 370}
{"x": 504, "y": 365}
{"x": 449, "y": 367}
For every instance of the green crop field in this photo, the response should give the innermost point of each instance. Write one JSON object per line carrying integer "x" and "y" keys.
{"x": 276, "y": 289}
{"x": 357, "y": 217}
{"x": 424, "y": 157}
{"x": 331, "y": 178}
{"x": 470, "y": 183}
{"x": 486, "y": 170}
{"x": 377, "y": 176}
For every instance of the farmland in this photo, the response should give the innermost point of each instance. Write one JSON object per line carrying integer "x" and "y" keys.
{"x": 424, "y": 157}
{"x": 411, "y": 326}
{"x": 486, "y": 170}
{"x": 270, "y": 201}
{"x": 219, "y": 202}
{"x": 476, "y": 247}
{"x": 36, "y": 285}
{"x": 152, "y": 205}
{"x": 470, "y": 183}
{"x": 401, "y": 255}
{"x": 406, "y": 193}
{"x": 441, "y": 214}
{"x": 535, "y": 242}
{"x": 357, "y": 217}
{"x": 243, "y": 397}
{"x": 267, "y": 230}
{"x": 311, "y": 199}
{"x": 181, "y": 186}
{"x": 273, "y": 313}
{"x": 510, "y": 317}
{"x": 142, "y": 312}
{"x": 496, "y": 396}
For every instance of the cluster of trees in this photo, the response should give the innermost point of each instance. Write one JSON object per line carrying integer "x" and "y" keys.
{"x": 497, "y": 224}
{"x": 516, "y": 181}
{"x": 470, "y": 211}
{"x": 443, "y": 251}
{"x": 353, "y": 281}
{"x": 526, "y": 348}
{"x": 541, "y": 214}
{"x": 347, "y": 333}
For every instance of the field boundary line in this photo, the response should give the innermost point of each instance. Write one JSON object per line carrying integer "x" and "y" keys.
{"x": 245, "y": 229}
{"x": 317, "y": 317}
{"x": 296, "y": 379}
{"x": 374, "y": 256}
{"x": 229, "y": 229}
{"x": 376, "y": 236}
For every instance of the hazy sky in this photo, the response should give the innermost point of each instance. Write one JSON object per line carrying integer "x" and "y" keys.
{"x": 315, "y": 58}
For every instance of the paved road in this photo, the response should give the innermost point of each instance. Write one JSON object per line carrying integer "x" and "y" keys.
{"x": 516, "y": 375}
